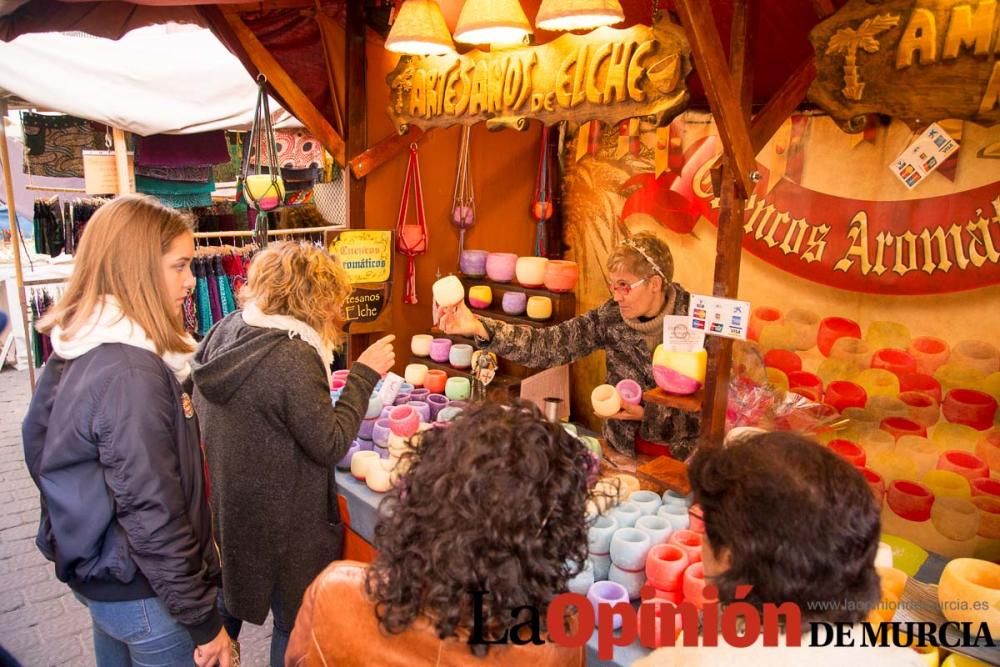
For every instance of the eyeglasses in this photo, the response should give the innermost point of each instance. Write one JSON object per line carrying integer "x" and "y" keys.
{"x": 623, "y": 288}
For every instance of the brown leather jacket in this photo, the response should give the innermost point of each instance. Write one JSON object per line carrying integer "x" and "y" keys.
{"x": 336, "y": 625}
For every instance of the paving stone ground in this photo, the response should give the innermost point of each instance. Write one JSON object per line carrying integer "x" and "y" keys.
{"x": 41, "y": 623}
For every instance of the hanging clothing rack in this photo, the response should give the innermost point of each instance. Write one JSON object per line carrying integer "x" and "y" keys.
{"x": 270, "y": 232}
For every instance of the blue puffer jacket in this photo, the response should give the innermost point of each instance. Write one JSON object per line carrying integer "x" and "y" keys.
{"x": 112, "y": 443}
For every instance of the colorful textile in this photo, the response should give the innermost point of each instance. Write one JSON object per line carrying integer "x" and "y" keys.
{"x": 54, "y": 145}
{"x": 296, "y": 149}
{"x": 202, "y": 149}
{"x": 189, "y": 174}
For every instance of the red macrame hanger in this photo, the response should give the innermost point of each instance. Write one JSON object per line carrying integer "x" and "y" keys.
{"x": 411, "y": 240}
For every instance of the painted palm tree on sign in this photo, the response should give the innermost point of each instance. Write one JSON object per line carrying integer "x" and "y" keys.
{"x": 849, "y": 40}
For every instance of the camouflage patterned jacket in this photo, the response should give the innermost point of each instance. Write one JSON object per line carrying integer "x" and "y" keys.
{"x": 627, "y": 357}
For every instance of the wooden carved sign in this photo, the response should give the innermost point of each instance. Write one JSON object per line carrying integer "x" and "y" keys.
{"x": 606, "y": 75}
{"x": 365, "y": 305}
{"x": 916, "y": 60}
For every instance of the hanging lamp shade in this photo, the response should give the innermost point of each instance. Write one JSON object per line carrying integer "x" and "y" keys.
{"x": 420, "y": 30}
{"x": 492, "y": 22}
{"x": 578, "y": 14}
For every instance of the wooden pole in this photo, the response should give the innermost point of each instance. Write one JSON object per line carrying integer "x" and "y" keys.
{"x": 121, "y": 162}
{"x": 385, "y": 150}
{"x": 15, "y": 242}
{"x": 731, "y": 214}
{"x": 357, "y": 132}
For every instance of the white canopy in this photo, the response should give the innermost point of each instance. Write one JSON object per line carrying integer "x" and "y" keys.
{"x": 163, "y": 79}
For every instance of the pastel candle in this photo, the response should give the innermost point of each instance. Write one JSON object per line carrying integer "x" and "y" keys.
{"x": 472, "y": 263}
{"x": 440, "y": 347}
{"x": 539, "y": 307}
{"x": 958, "y": 376}
{"x": 694, "y": 584}
{"x": 458, "y": 388}
{"x": 448, "y": 291}
{"x": 851, "y": 451}
{"x": 420, "y": 345}
{"x": 266, "y": 189}
{"x": 514, "y": 303}
{"x": 676, "y": 515}
{"x": 656, "y": 527}
{"x": 629, "y": 548}
{"x": 500, "y": 266}
{"x": 530, "y": 271}
{"x": 626, "y": 514}
{"x": 435, "y": 381}
{"x": 689, "y": 541}
{"x": 806, "y": 324}
{"x": 897, "y": 427}
{"x": 460, "y": 355}
{"x": 378, "y": 476}
{"x": 607, "y": 593}
{"x": 989, "y": 516}
{"x": 777, "y": 336}
{"x": 977, "y": 354}
{"x": 886, "y": 333}
{"x": 404, "y": 420}
{"x": 422, "y": 409}
{"x": 921, "y": 451}
{"x": 437, "y": 403}
{"x": 929, "y": 352}
{"x": 805, "y": 380}
{"x": 480, "y": 296}
{"x": 854, "y": 351}
{"x": 605, "y": 400}
{"x": 988, "y": 449}
{"x": 955, "y": 518}
{"x": 561, "y": 275}
{"x": 647, "y": 501}
{"x": 360, "y": 462}
{"x": 878, "y": 382}
{"x": 629, "y": 391}
{"x": 599, "y": 534}
{"x": 875, "y": 483}
{"x": 631, "y": 580}
{"x": 895, "y": 361}
{"x": 415, "y": 373}
{"x": 784, "y": 360}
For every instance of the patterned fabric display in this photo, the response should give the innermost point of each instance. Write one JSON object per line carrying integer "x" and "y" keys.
{"x": 297, "y": 149}
{"x": 54, "y": 145}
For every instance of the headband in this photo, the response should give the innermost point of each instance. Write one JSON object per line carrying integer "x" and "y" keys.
{"x": 635, "y": 246}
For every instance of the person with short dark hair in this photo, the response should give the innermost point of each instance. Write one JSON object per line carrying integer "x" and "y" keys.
{"x": 799, "y": 524}
{"x": 495, "y": 502}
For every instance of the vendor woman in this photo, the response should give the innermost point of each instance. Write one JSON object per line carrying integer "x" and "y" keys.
{"x": 628, "y": 327}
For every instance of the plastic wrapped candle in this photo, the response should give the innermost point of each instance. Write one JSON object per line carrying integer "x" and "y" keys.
{"x": 884, "y": 333}
{"x": 448, "y": 291}
{"x": 777, "y": 379}
{"x": 878, "y": 382}
{"x": 977, "y": 354}
{"x": 480, "y": 296}
{"x": 539, "y": 307}
{"x": 679, "y": 372}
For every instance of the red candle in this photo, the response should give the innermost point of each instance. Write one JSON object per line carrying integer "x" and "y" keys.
{"x": 988, "y": 449}
{"x": 929, "y": 353}
{"x": 832, "y": 328}
{"x": 920, "y": 382}
{"x": 694, "y": 584}
{"x": 665, "y": 565}
{"x": 910, "y": 500}
{"x": 923, "y": 409}
{"x": 435, "y": 381}
{"x": 875, "y": 483}
{"x": 985, "y": 486}
{"x": 759, "y": 318}
{"x": 850, "y": 451}
{"x": 966, "y": 464}
{"x": 897, "y": 427}
{"x": 804, "y": 379}
{"x": 969, "y": 407}
{"x": 784, "y": 360}
{"x": 841, "y": 394}
{"x": 895, "y": 361}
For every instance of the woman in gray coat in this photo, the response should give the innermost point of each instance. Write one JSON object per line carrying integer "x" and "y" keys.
{"x": 272, "y": 437}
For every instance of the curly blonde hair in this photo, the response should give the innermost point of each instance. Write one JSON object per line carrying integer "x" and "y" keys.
{"x": 301, "y": 281}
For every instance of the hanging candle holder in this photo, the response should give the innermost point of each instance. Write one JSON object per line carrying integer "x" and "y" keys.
{"x": 463, "y": 208}
{"x": 543, "y": 201}
{"x": 411, "y": 240}
{"x": 264, "y": 188}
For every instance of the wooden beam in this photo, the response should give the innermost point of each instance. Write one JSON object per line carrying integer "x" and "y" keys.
{"x": 824, "y": 8}
{"x": 728, "y": 248}
{"x": 327, "y": 26}
{"x": 385, "y": 150}
{"x": 302, "y": 106}
{"x": 723, "y": 97}
{"x": 355, "y": 101}
{"x": 784, "y": 103}
{"x": 121, "y": 162}
{"x": 15, "y": 244}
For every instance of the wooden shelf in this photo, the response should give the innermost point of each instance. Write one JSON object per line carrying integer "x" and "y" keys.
{"x": 514, "y": 287}
{"x": 499, "y": 380}
{"x": 511, "y": 319}
{"x": 690, "y": 403}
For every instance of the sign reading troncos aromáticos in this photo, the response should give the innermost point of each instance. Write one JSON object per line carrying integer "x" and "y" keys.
{"x": 606, "y": 74}
{"x": 916, "y": 60}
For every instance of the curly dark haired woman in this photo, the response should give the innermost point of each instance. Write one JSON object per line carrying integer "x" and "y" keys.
{"x": 495, "y": 502}
{"x": 799, "y": 524}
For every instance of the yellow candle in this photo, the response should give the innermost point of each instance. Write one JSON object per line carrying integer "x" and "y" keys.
{"x": 539, "y": 307}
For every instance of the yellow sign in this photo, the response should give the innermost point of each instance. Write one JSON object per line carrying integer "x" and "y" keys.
{"x": 367, "y": 255}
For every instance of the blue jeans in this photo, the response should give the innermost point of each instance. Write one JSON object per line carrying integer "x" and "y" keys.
{"x": 280, "y": 635}
{"x": 138, "y": 632}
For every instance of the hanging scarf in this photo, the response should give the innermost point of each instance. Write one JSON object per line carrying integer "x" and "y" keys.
{"x": 411, "y": 240}
{"x": 255, "y": 317}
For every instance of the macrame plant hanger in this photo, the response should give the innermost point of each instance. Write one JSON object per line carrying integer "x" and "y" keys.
{"x": 260, "y": 143}
{"x": 411, "y": 240}
{"x": 542, "y": 206}
{"x": 463, "y": 209}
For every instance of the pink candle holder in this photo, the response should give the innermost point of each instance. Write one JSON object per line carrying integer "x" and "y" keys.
{"x": 898, "y": 427}
{"x": 875, "y": 483}
{"x": 561, "y": 275}
{"x": 759, "y": 318}
{"x": 694, "y": 584}
{"x": 607, "y": 593}
{"x": 921, "y": 407}
{"x": 832, "y": 328}
{"x": 895, "y": 361}
{"x": 966, "y": 464}
{"x": 910, "y": 500}
{"x": 921, "y": 382}
{"x": 440, "y": 347}
{"x": 404, "y": 420}
{"x": 977, "y": 354}
{"x": 930, "y": 353}
{"x": 841, "y": 394}
{"x": 972, "y": 408}
{"x": 784, "y": 360}
{"x": 851, "y": 451}
{"x": 689, "y": 542}
{"x": 500, "y": 266}
{"x": 665, "y": 565}
{"x": 629, "y": 391}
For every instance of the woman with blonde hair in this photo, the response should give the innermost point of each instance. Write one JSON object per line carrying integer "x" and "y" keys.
{"x": 112, "y": 442}
{"x": 628, "y": 327}
{"x": 271, "y": 434}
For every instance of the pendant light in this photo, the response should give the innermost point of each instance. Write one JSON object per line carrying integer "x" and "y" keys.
{"x": 578, "y": 14}
{"x": 500, "y": 22}
{"x": 420, "y": 30}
